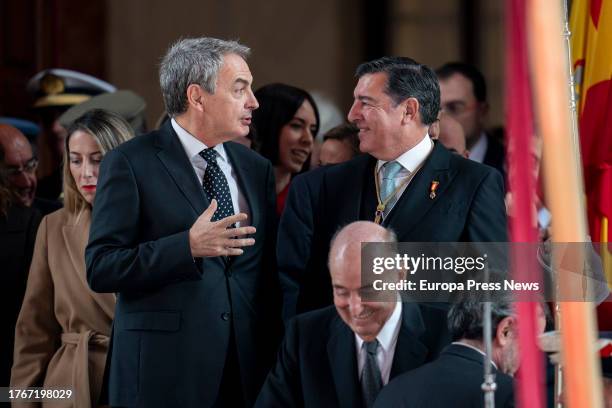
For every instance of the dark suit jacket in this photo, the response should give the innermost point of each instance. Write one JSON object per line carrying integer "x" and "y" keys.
{"x": 317, "y": 363}
{"x": 453, "y": 380}
{"x": 469, "y": 206}
{"x": 17, "y": 237}
{"x": 173, "y": 314}
{"x": 295, "y": 231}
{"x": 495, "y": 155}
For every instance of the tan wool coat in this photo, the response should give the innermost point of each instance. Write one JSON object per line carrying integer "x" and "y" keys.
{"x": 63, "y": 329}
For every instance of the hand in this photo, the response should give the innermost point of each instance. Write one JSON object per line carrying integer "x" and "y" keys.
{"x": 213, "y": 238}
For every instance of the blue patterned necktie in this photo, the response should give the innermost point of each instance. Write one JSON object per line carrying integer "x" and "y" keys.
{"x": 216, "y": 186}
{"x": 371, "y": 379}
{"x": 389, "y": 172}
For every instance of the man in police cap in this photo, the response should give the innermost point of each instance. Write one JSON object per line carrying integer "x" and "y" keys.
{"x": 124, "y": 103}
{"x": 55, "y": 90}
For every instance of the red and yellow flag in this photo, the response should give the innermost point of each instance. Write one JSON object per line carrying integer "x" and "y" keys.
{"x": 591, "y": 26}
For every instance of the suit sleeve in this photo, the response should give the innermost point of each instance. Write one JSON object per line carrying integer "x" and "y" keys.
{"x": 295, "y": 233}
{"x": 487, "y": 218}
{"x": 282, "y": 388}
{"x": 37, "y": 332}
{"x": 116, "y": 261}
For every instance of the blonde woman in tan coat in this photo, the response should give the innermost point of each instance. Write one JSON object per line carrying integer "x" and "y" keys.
{"x": 63, "y": 329}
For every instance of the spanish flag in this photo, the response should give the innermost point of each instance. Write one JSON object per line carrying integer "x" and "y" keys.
{"x": 591, "y": 43}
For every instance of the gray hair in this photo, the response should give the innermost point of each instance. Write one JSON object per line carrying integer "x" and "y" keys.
{"x": 465, "y": 319}
{"x": 193, "y": 61}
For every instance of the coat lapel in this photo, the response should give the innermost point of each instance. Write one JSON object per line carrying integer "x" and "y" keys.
{"x": 351, "y": 191}
{"x": 247, "y": 181}
{"x": 173, "y": 157}
{"x": 76, "y": 234}
{"x": 343, "y": 365}
{"x": 369, "y": 201}
{"x": 416, "y": 201}
{"x": 410, "y": 352}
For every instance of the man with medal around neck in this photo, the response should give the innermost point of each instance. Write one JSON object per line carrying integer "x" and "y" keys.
{"x": 406, "y": 181}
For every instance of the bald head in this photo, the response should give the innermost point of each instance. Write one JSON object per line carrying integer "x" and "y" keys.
{"x": 19, "y": 163}
{"x": 347, "y": 242}
{"x": 451, "y": 135}
{"x": 365, "y": 318}
{"x": 10, "y": 136}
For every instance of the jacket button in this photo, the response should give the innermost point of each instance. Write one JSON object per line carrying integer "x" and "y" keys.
{"x": 225, "y": 316}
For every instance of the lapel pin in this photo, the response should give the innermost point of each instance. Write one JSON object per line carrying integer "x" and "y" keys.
{"x": 432, "y": 189}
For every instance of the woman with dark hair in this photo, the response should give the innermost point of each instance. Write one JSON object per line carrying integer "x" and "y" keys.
{"x": 63, "y": 329}
{"x": 286, "y": 124}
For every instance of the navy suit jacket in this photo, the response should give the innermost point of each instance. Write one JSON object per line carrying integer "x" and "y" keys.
{"x": 172, "y": 321}
{"x": 453, "y": 380}
{"x": 469, "y": 206}
{"x": 495, "y": 156}
{"x": 317, "y": 363}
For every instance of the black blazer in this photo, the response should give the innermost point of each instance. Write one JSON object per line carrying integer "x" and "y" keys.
{"x": 172, "y": 321}
{"x": 317, "y": 363}
{"x": 495, "y": 156}
{"x": 295, "y": 233}
{"x": 17, "y": 236}
{"x": 469, "y": 206}
{"x": 453, "y": 380}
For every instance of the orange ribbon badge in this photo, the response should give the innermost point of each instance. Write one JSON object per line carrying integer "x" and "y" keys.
{"x": 432, "y": 189}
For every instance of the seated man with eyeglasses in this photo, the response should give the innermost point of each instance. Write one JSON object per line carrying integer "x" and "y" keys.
{"x": 19, "y": 166}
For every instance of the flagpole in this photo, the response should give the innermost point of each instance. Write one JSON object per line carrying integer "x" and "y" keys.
{"x": 572, "y": 86}
{"x": 488, "y": 386}
{"x": 521, "y": 181}
{"x": 564, "y": 191}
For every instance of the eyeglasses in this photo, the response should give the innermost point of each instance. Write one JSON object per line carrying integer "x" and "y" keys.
{"x": 28, "y": 168}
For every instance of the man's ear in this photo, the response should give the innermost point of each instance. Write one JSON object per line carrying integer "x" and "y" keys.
{"x": 411, "y": 110}
{"x": 196, "y": 97}
{"x": 505, "y": 331}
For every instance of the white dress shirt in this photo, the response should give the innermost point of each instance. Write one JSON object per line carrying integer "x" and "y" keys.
{"x": 410, "y": 161}
{"x": 387, "y": 339}
{"x": 479, "y": 150}
{"x": 193, "y": 147}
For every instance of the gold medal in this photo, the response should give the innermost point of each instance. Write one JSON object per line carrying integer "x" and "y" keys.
{"x": 380, "y": 210}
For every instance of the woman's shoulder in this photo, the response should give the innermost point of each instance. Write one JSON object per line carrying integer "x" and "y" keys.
{"x": 64, "y": 217}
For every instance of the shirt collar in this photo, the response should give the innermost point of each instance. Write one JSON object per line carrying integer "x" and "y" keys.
{"x": 412, "y": 159}
{"x": 458, "y": 343}
{"x": 390, "y": 330}
{"x": 479, "y": 149}
{"x": 194, "y": 146}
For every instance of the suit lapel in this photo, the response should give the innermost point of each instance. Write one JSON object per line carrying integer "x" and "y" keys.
{"x": 247, "y": 181}
{"x": 415, "y": 201}
{"x": 343, "y": 365}
{"x": 410, "y": 352}
{"x": 351, "y": 191}
{"x": 173, "y": 157}
{"x": 369, "y": 201}
{"x": 76, "y": 235}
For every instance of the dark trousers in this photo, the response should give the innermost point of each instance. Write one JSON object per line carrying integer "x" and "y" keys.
{"x": 230, "y": 391}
